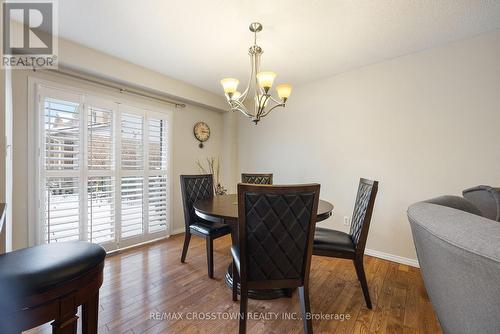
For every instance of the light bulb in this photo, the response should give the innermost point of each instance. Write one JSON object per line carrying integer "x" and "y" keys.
{"x": 236, "y": 95}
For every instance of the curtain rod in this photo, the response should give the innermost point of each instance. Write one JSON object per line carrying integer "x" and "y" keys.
{"x": 120, "y": 89}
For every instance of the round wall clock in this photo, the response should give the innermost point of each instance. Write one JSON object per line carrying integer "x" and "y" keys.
{"x": 201, "y": 132}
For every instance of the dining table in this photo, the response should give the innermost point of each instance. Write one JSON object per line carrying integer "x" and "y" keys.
{"x": 225, "y": 208}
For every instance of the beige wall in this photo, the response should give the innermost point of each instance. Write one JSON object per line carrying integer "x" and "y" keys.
{"x": 424, "y": 125}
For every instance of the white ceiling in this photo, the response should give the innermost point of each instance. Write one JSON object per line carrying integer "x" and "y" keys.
{"x": 201, "y": 41}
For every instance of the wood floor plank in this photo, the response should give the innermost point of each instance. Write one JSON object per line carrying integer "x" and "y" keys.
{"x": 146, "y": 285}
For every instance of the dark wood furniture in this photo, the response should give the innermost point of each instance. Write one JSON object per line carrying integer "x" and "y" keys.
{"x": 276, "y": 231}
{"x": 338, "y": 244}
{"x": 49, "y": 282}
{"x": 226, "y": 208}
{"x": 257, "y": 178}
{"x": 194, "y": 188}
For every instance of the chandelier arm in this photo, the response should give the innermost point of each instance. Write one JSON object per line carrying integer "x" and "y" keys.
{"x": 245, "y": 113}
{"x": 237, "y": 105}
{"x": 276, "y": 101}
{"x": 272, "y": 108}
{"x": 244, "y": 94}
{"x": 262, "y": 100}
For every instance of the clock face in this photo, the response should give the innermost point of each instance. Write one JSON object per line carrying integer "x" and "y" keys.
{"x": 201, "y": 131}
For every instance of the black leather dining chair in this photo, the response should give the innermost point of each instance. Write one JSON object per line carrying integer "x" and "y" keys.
{"x": 275, "y": 235}
{"x": 339, "y": 244}
{"x": 193, "y": 188}
{"x": 257, "y": 178}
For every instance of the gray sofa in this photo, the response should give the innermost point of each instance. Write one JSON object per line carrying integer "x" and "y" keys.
{"x": 487, "y": 199}
{"x": 459, "y": 255}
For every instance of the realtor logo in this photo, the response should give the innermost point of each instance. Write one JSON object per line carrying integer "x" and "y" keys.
{"x": 29, "y": 38}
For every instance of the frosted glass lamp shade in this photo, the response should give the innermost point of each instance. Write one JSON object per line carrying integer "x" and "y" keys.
{"x": 284, "y": 91}
{"x": 266, "y": 79}
{"x": 230, "y": 85}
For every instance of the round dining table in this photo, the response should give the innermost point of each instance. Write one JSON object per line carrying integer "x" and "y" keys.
{"x": 225, "y": 208}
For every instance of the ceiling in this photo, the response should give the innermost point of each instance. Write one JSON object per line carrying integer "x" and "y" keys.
{"x": 200, "y": 41}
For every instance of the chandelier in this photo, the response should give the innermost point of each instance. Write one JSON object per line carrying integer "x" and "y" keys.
{"x": 259, "y": 83}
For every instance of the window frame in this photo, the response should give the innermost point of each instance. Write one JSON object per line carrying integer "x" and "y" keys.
{"x": 86, "y": 97}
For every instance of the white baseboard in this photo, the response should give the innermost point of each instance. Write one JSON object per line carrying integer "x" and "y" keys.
{"x": 393, "y": 258}
{"x": 371, "y": 252}
{"x": 178, "y": 230}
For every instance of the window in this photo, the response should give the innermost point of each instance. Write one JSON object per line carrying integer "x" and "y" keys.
{"x": 103, "y": 170}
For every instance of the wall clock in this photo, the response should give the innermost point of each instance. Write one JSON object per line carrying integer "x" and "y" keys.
{"x": 201, "y": 132}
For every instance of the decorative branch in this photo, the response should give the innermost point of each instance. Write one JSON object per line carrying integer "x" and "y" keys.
{"x": 214, "y": 169}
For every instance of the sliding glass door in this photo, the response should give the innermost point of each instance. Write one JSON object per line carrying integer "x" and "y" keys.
{"x": 103, "y": 170}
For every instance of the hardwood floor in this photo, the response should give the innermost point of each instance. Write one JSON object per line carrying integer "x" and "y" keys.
{"x": 149, "y": 282}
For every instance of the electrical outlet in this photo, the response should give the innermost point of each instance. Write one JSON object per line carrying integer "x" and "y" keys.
{"x": 347, "y": 221}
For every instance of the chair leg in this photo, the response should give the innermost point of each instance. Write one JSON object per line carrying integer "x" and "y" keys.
{"x": 360, "y": 271}
{"x": 305, "y": 309}
{"x": 243, "y": 307}
{"x": 210, "y": 257}
{"x": 235, "y": 281}
{"x": 90, "y": 313}
{"x": 65, "y": 323}
{"x": 187, "y": 238}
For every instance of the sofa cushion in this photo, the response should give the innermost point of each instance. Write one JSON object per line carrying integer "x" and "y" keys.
{"x": 455, "y": 202}
{"x": 487, "y": 199}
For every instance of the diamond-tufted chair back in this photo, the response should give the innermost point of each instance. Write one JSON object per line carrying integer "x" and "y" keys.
{"x": 257, "y": 178}
{"x": 363, "y": 208}
{"x": 193, "y": 188}
{"x": 276, "y": 230}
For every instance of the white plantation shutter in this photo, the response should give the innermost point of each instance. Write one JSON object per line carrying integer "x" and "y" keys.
{"x": 62, "y": 134}
{"x": 157, "y": 144}
{"x": 132, "y": 141}
{"x": 101, "y": 209}
{"x": 100, "y": 138}
{"x": 132, "y": 203}
{"x": 103, "y": 170}
{"x": 158, "y": 209}
{"x": 60, "y": 166}
{"x": 101, "y": 206}
{"x": 158, "y": 183}
{"x": 62, "y": 209}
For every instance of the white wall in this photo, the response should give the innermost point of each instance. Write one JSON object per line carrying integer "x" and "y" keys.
{"x": 424, "y": 125}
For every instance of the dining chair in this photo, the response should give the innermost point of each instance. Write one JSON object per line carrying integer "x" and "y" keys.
{"x": 194, "y": 188}
{"x": 257, "y": 178}
{"x": 339, "y": 244}
{"x": 275, "y": 235}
